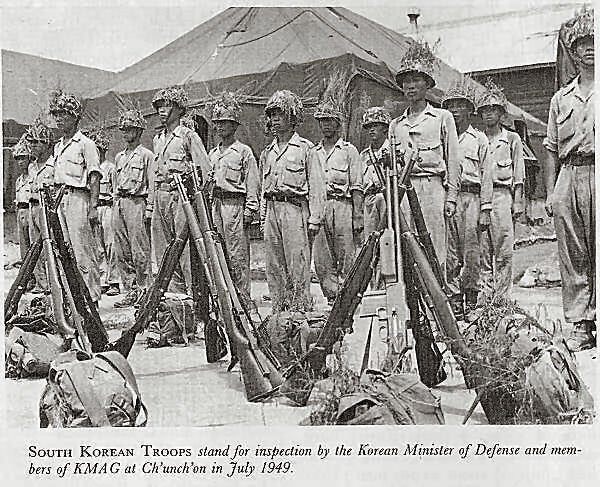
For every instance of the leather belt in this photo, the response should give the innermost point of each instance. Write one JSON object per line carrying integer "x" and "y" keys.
{"x": 125, "y": 194}
{"x": 22, "y": 206}
{"x": 578, "y": 160}
{"x": 34, "y": 201}
{"x": 294, "y": 200}
{"x": 105, "y": 203}
{"x": 227, "y": 195}
{"x": 470, "y": 188}
{"x": 338, "y": 198}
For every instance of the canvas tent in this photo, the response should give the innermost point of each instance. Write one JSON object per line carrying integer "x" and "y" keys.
{"x": 259, "y": 50}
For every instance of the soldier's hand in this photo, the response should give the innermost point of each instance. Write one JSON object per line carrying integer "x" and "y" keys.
{"x": 449, "y": 209}
{"x": 548, "y": 205}
{"x": 313, "y": 229}
{"x": 484, "y": 220}
{"x": 517, "y": 211}
{"x": 93, "y": 216}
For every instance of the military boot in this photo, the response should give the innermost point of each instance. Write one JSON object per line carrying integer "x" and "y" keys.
{"x": 456, "y": 303}
{"x": 581, "y": 337}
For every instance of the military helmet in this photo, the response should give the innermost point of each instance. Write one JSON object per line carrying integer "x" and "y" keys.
{"x": 582, "y": 25}
{"x": 418, "y": 58}
{"x": 175, "y": 94}
{"x": 376, "y": 115}
{"x": 227, "y": 107}
{"x": 288, "y": 103}
{"x": 39, "y": 131}
{"x": 132, "y": 119}
{"x": 492, "y": 96}
{"x": 21, "y": 149}
{"x": 327, "y": 109}
{"x": 65, "y": 102}
{"x": 461, "y": 89}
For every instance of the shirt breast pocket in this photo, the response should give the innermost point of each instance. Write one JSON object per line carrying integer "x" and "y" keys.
{"x": 430, "y": 153}
{"x": 338, "y": 171}
{"x": 294, "y": 173}
{"x": 137, "y": 171}
{"x": 565, "y": 125}
{"x": 177, "y": 163}
{"x": 504, "y": 170}
{"x": 470, "y": 166}
{"x": 74, "y": 165}
{"x": 234, "y": 172}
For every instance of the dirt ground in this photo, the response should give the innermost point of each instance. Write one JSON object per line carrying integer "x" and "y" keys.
{"x": 180, "y": 388}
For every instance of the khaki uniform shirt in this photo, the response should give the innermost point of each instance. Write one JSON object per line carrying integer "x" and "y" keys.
{"x": 475, "y": 166}
{"x": 22, "y": 189}
{"x": 75, "y": 160}
{"x": 506, "y": 157}
{"x": 41, "y": 177}
{"x": 294, "y": 171}
{"x": 433, "y": 134}
{"x": 342, "y": 167}
{"x": 107, "y": 169}
{"x": 571, "y": 122}
{"x": 371, "y": 181}
{"x": 234, "y": 169}
{"x": 132, "y": 172}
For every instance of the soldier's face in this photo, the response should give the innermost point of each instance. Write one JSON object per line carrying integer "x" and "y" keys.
{"x": 376, "y": 131}
{"x": 279, "y": 122}
{"x": 329, "y": 127}
{"x": 225, "y": 128}
{"x": 491, "y": 115}
{"x": 131, "y": 134}
{"x": 168, "y": 112}
{"x": 460, "y": 110}
{"x": 584, "y": 50}
{"x": 65, "y": 121}
{"x": 414, "y": 86}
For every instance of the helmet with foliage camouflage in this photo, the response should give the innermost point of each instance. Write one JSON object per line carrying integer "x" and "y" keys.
{"x": 39, "y": 131}
{"x": 418, "y": 58}
{"x": 132, "y": 119}
{"x": 580, "y": 26}
{"x": 174, "y": 94}
{"x": 492, "y": 96}
{"x": 327, "y": 109}
{"x": 227, "y": 107}
{"x": 376, "y": 115}
{"x": 21, "y": 149}
{"x": 289, "y": 103}
{"x": 461, "y": 89}
{"x": 99, "y": 136}
{"x": 65, "y": 102}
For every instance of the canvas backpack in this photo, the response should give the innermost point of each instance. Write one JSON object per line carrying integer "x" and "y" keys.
{"x": 29, "y": 353}
{"x": 84, "y": 390}
{"x": 174, "y": 322}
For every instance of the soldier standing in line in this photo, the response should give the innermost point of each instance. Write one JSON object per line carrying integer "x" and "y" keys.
{"x": 131, "y": 205}
{"x": 508, "y": 175}
{"x": 77, "y": 166}
{"x": 431, "y": 133}
{"x": 104, "y": 232}
{"x": 235, "y": 191}
{"x": 176, "y": 149}
{"x": 473, "y": 205}
{"x": 570, "y": 145}
{"x": 343, "y": 219}
{"x": 41, "y": 175}
{"x": 292, "y": 203}
{"x": 22, "y": 154}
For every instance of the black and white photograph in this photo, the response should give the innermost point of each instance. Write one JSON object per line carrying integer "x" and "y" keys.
{"x": 363, "y": 216}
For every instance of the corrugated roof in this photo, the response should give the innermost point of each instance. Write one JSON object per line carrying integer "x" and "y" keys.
{"x": 27, "y": 80}
{"x": 483, "y": 42}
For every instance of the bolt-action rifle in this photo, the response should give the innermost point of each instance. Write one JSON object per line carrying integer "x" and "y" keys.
{"x": 259, "y": 372}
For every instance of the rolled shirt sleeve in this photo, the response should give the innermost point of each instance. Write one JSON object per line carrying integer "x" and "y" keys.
{"x": 551, "y": 140}
{"x": 355, "y": 169}
{"x": 451, "y": 156}
{"x": 518, "y": 161}
{"x": 92, "y": 158}
{"x": 487, "y": 176}
{"x": 317, "y": 191}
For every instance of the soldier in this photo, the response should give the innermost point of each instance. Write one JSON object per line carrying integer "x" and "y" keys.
{"x": 77, "y": 166}
{"x": 22, "y": 154}
{"x": 41, "y": 175}
{"x": 431, "y": 132}
{"x": 104, "y": 232}
{"x": 235, "y": 190}
{"x": 176, "y": 149}
{"x": 131, "y": 205}
{"x": 334, "y": 246}
{"x": 570, "y": 144}
{"x": 292, "y": 203}
{"x": 508, "y": 175}
{"x": 473, "y": 205}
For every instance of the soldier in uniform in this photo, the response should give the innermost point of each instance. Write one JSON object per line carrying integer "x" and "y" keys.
{"x": 131, "y": 183}
{"x": 176, "y": 149}
{"x": 104, "y": 232}
{"x": 570, "y": 145}
{"x": 77, "y": 166}
{"x": 22, "y": 154}
{"x": 334, "y": 246}
{"x": 235, "y": 190}
{"x": 292, "y": 203}
{"x": 473, "y": 205}
{"x": 375, "y": 121}
{"x": 432, "y": 134}
{"x": 508, "y": 176}
{"x": 41, "y": 175}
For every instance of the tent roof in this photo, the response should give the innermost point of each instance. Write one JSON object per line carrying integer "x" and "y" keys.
{"x": 249, "y": 40}
{"x": 27, "y": 80}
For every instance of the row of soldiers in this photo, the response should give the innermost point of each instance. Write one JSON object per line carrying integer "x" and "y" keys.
{"x": 315, "y": 202}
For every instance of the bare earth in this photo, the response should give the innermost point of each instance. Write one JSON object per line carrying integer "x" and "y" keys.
{"x": 181, "y": 389}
